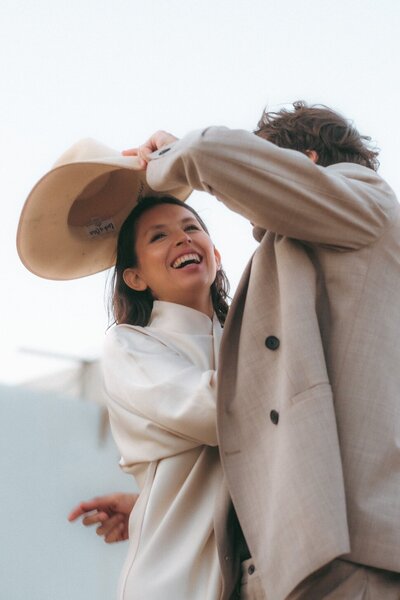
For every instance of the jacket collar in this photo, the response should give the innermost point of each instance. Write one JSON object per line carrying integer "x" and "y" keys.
{"x": 181, "y": 319}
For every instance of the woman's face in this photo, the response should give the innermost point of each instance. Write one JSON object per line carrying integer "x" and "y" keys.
{"x": 176, "y": 257}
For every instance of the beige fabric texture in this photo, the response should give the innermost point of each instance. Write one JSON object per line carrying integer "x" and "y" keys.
{"x": 324, "y": 479}
{"x": 342, "y": 580}
{"x": 250, "y": 583}
{"x": 161, "y": 381}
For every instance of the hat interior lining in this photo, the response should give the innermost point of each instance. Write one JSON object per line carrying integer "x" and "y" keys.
{"x": 106, "y": 198}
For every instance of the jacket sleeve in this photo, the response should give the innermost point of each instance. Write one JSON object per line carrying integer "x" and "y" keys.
{"x": 160, "y": 404}
{"x": 277, "y": 189}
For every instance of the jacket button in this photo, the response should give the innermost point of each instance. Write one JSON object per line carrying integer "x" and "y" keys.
{"x": 274, "y": 416}
{"x": 251, "y": 569}
{"x": 272, "y": 342}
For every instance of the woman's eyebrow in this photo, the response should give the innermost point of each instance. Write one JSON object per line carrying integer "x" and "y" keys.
{"x": 162, "y": 225}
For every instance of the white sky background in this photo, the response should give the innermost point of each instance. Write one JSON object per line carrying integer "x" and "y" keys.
{"x": 119, "y": 70}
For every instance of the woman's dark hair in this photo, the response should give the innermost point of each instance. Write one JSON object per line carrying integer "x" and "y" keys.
{"x": 134, "y": 307}
{"x": 317, "y": 128}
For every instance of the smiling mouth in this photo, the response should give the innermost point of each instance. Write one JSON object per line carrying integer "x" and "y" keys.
{"x": 186, "y": 259}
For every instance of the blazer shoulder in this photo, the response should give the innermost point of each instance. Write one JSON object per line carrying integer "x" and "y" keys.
{"x": 380, "y": 190}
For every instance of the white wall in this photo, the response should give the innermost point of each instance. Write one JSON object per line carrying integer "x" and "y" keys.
{"x": 50, "y": 459}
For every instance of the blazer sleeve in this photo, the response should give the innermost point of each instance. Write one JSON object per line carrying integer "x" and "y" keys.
{"x": 160, "y": 404}
{"x": 277, "y": 189}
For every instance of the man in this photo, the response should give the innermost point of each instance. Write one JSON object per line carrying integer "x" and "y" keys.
{"x": 309, "y": 378}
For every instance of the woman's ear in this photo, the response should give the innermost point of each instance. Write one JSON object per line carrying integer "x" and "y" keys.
{"x": 217, "y": 258}
{"x": 133, "y": 280}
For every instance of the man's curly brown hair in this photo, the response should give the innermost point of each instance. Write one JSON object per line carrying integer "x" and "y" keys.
{"x": 318, "y": 128}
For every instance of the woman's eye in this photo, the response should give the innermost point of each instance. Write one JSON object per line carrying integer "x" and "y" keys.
{"x": 157, "y": 236}
{"x": 192, "y": 227}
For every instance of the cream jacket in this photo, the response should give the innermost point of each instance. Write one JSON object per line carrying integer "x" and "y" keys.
{"x": 161, "y": 381}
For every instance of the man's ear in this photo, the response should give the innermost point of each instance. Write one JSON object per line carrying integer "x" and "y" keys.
{"x": 134, "y": 281}
{"x": 313, "y": 155}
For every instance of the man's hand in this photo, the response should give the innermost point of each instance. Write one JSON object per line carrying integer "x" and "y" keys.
{"x": 155, "y": 142}
{"x": 112, "y": 512}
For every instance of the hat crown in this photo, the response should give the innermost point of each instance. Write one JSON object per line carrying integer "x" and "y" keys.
{"x": 86, "y": 150}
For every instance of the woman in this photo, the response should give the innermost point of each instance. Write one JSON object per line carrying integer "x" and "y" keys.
{"x": 169, "y": 303}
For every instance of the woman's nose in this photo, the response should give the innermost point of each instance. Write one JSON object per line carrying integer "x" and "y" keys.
{"x": 183, "y": 238}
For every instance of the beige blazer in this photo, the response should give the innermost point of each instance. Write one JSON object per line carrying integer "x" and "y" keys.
{"x": 309, "y": 384}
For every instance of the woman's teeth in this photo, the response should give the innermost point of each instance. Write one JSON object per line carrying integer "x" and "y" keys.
{"x": 186, "y": 258}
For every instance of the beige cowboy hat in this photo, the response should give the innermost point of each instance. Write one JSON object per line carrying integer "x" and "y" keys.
{"x": 71, "y": 219}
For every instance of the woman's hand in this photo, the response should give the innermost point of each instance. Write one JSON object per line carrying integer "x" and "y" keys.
{"x": 158, "y": 140}
{"x": 111, "y": 512}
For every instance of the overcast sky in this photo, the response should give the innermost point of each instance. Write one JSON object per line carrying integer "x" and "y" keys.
{"x": 119, "y": 70}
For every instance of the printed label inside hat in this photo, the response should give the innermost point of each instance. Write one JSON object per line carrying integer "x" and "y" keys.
{"x": 99, "y": 227}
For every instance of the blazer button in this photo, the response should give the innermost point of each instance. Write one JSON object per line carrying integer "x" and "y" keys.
{"x": 274, "y": 416}
{"x": 272, "y": 342}
{"x": 251, "y": 569}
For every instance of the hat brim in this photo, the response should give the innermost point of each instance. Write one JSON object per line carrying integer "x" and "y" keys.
{"x": 70, "y": 222}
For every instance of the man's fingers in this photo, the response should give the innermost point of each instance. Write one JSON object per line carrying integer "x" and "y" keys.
{"x": 130, "y": 152}
{"x": 160, "y": 139}
{"x": 136, "y": 152}
{"x": 155, "y": 142}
